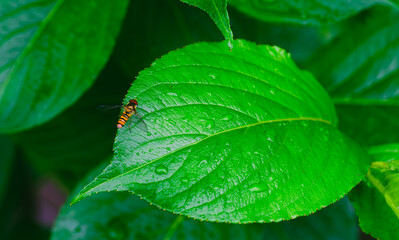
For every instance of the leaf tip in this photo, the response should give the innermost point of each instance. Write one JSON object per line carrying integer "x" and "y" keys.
{"x": 75, "y": 199}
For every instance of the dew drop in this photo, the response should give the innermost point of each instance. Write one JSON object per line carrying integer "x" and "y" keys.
{"x": 212, "y": 76}
{"x": 270, "y": 139}
{"x": 171, "y": 94}
{"x": 161, "y": 170}
{"x": 304, "y": 123}
{"x": 148, "y": 134}
{"x": 168, "y": 148}
{"x": 227, "y": 117}
{"x": 184, "y": 180}
{"x": 272, "y": 92}
{"x": 230, "y": 44}
{"x": 325, "y": 138}
{"x": 210, "y": 123}
{"x": 207, "y": 123}
{"x": 203, "y": 162}
{"x": 257, "y": 187}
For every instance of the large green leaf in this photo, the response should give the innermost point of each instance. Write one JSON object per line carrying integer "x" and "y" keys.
{"x": 234, "y": 136}
{"x": 123, "y": 216}
{"x": 51, "y": 54}
{"x": 6, "y": 157}
{"x": 377, "y": 201}
{"x": 218, "y": 12}
{"x": 360, "y": 70}
{"x": 307, "y": 12}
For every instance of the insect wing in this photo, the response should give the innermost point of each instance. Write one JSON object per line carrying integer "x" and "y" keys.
{"x": 138, "y": 121}
{"x": 109, "y": 108}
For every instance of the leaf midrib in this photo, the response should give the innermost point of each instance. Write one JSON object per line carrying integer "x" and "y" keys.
{"x": 203, "y": 139}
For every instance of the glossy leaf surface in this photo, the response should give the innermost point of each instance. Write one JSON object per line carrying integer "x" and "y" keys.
{"x": 229, "y": 138}
{"x": 51, "y": 54}
{"x": 363, "y": 78}
{"x": 113, "y": 215}
{"x": 218, "y": 12}
{"x": 377, "y": 201}
{"x": 307, "y": 12}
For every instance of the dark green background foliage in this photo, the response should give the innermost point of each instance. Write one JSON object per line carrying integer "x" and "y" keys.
{"x": 271, "y": 128}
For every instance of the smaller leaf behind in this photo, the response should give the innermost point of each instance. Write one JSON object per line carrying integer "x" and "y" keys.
{"x": 376, "y": 201}
{"x": 217, "y": 10}
{"x": 305, "y": 12}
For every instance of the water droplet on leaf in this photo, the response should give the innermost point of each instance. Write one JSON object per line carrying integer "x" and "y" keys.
{"x": 203, "y": 162}
{"x": 184, "y": 180}
{"x": 227, "y": 117}
{"x": 257, "y": 187}
{"x": 161, "y": 170}
{"x": 304, "y": 123}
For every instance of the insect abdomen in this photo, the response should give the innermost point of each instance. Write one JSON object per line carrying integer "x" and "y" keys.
{"x": 123, "y": 119}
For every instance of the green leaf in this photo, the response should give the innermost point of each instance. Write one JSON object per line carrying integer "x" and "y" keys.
{"x": 218, "y": 12}
{"x": 6, "y": 157}
{"x": 310, "y": 12}
{"x": 363, "y": 77}
{"x": 123, "y": 216}
{"x": 369, "y": 124}
{"x": 52, "y": 58}
{"x": 234, "y": 136}
{"x": 79, "y": 138}
{"x": 377, "y": 201}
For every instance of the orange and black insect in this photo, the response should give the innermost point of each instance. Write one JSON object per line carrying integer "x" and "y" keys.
{"x": 129, "y": 114}
{"x": 129, "y": 109}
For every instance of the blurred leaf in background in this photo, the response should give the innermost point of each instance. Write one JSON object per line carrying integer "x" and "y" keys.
{"x": 305, "y": 12}
{"x": 51, "y": 54}
{"x": 118, "y": 215}
{"x": 68, "y": 146}
{"x": 359, "y": 68}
